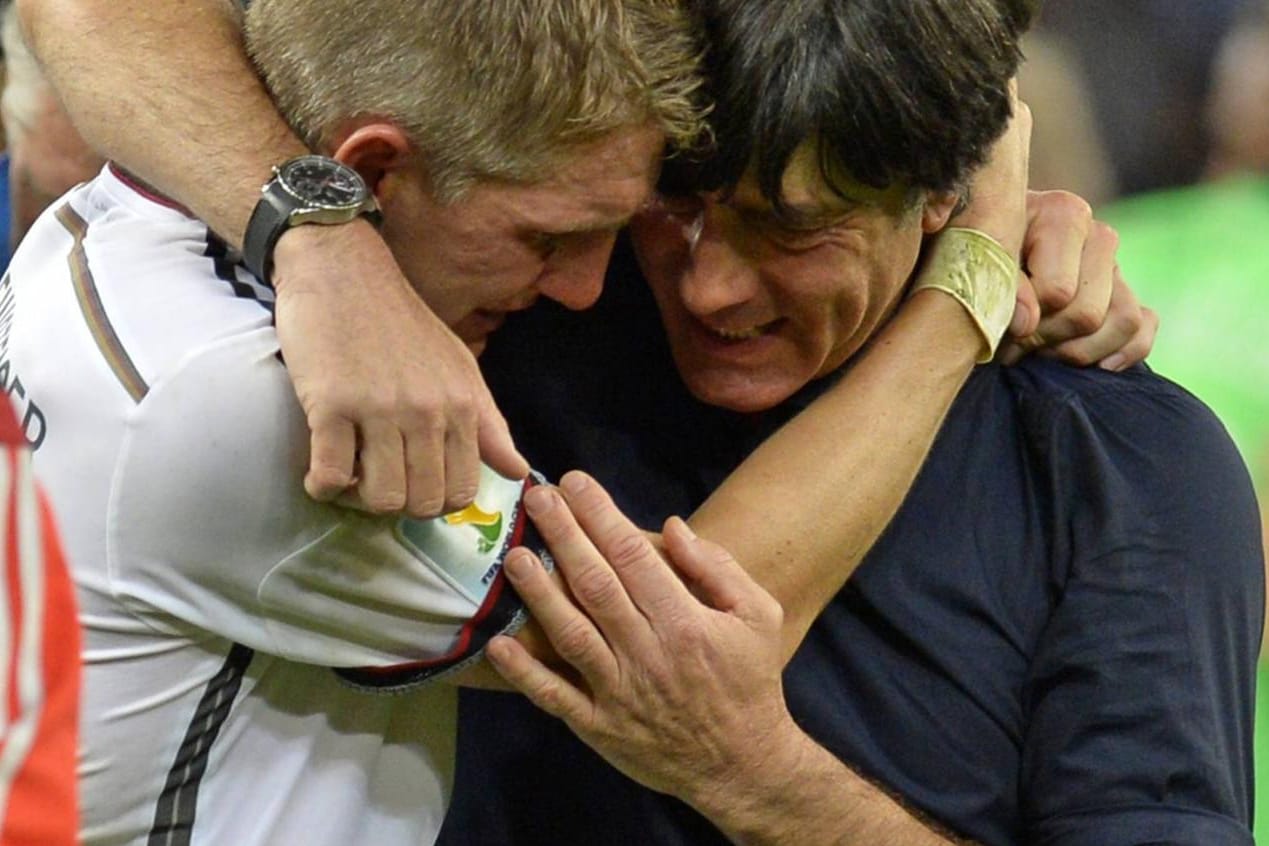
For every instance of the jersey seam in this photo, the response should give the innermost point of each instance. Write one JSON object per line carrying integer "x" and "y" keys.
{"x": 93, "y": 310}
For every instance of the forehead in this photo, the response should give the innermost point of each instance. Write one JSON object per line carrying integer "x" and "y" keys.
{"x": 598, "y": 184}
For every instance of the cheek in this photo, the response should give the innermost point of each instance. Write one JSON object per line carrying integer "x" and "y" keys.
{"x": 822, "y": 289}
{"x": 836, "y": 303}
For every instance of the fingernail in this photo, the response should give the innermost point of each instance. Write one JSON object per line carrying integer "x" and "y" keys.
{"x": 539, "y": 500}
{"x": 497, "y": 649}
{"x": 573, "y": 482}
{"x": 1018, "y": 324}
{"x": 519, "y": 565}
{"x": 1114, "y": 362}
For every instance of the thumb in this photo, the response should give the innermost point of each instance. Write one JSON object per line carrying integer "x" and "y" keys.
{"x": 1026, "y": 313}
{"x": 711, "y": 571}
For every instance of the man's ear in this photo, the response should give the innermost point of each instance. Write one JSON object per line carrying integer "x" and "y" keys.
{"x": 374, "y": 150}
{"x": 937, "y": 209}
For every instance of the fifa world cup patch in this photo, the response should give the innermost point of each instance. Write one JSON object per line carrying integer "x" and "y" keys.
{"x": 467, "y": 547}
{"x": 465, "y": 550}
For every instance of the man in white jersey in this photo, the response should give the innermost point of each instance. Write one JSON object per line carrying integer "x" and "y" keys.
{"x": 221, "y": 605}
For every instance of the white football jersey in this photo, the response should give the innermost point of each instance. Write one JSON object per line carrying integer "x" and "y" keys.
{"x": 231, "y": 624}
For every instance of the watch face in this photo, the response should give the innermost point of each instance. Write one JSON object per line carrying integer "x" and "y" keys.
{"x": 321, "y": 181}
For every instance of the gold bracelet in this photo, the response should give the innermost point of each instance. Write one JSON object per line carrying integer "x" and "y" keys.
{"x": 978, "y": 273}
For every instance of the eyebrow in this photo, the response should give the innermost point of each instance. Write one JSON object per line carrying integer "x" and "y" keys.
{"x": 798, "y": 216}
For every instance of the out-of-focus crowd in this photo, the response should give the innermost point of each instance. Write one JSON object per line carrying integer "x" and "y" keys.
{"x": 1157, "y": 112}
{"x": 1139, "y": 96}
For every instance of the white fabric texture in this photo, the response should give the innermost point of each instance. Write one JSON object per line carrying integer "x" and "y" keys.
{"x": 215, "y": 596}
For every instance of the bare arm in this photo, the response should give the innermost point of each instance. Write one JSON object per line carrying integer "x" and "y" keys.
{"x": 186, "y": 113}
{"x": 398, "y": 412}
{"x": 680, "y": 682}
{"x": 859, "y": 446}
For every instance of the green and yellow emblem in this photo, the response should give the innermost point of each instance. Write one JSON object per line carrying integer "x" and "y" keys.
{"x": 488, "y": 525}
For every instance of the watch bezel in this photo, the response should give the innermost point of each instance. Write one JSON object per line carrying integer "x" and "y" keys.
{"x": 286, "y": 179}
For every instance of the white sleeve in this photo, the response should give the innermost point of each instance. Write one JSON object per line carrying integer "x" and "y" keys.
{"x": 209, "y": 527}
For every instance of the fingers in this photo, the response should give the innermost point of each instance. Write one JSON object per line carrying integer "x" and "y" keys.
{"x": 332, "y": 448}
{"x": 571, "y": 633}
{"x": 426, "y": 469}
{"x": 1137, "y": 348}
{"x": 1090, "y": 315}
{"x": 584, "y": 567}
{"x": 717, "y": 578}
{"x": 1026, "y": 313}
{"x": 493, "y": 439}
{"x": 651, "y": 586}
{"x": 418, "y": 462}
{"x": 1125, "y": 337}
{"x": 1093, "y": 270}
{"x": 462, "y": 461}
{"x": 540, "y": 685}
{"x": 1058, "y": 225}
{"x": 382, "y": 487}
{"x": 399, "y": 414}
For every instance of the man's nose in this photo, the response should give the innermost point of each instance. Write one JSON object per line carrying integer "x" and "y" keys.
{"x": 720, "y": 270}
{"x": 574, "y": 277}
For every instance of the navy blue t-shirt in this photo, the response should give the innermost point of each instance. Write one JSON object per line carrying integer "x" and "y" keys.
{"x": 1053, "y": 643}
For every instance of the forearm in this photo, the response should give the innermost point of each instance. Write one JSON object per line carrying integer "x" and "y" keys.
{"x": 484, "y": 677}
{"x": 851, "y": 455}
{"x": 166, "y": 90}
{"x": 826, "y": 804}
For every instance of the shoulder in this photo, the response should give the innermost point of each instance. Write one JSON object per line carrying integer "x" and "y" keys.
{"x": 1133, "y": 413}
{"x": 1106, "y": 463}
{"x": 1154, "y": 554}
{"x": 227, "y": 418}
{"x": 1137, "y": 427}
{"x": 1133, "y": 461}
{"x": 139, "y": 280}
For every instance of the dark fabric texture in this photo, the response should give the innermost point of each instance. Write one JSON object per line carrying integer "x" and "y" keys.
{"x": 1053, "y": 643}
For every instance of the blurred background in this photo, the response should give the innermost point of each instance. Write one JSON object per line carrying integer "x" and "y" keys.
{"x": 1157, "y": 111}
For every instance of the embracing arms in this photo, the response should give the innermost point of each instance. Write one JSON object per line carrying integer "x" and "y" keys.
{"x": 398, "y": 412}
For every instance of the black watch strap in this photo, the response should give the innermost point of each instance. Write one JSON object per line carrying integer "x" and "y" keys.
{"x": 268, "y": 222}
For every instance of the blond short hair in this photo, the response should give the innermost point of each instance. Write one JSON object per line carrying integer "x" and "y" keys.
{"x": 486, "y": 89}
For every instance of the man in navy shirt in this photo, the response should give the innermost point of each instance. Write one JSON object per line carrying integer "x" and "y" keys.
{"x": 1054, "y": 640}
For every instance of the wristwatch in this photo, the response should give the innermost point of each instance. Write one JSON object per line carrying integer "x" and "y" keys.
{"x": 305, "y": 189}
